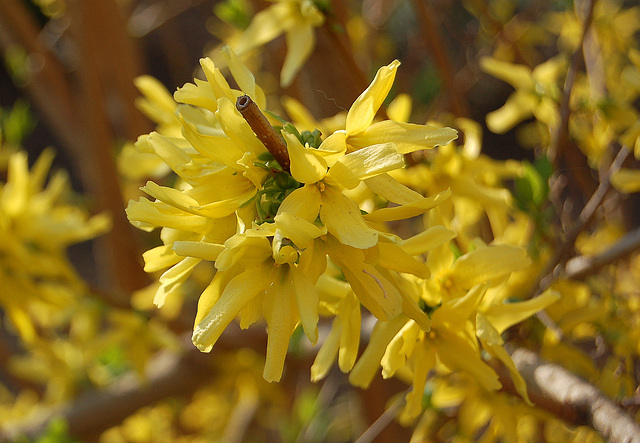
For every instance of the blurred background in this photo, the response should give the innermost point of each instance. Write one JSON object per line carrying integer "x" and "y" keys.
{"x": 67, "y": 81}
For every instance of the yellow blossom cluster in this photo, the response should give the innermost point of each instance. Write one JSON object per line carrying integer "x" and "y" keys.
{"x": 311, "y": 239}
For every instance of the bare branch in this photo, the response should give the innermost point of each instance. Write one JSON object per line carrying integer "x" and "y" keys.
{"x": 581, "y": 267}
{"x": 553, "y": 387}
{"x": 551, "y": 271}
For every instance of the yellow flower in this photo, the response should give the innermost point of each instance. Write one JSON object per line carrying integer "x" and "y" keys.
{"x": 269, "y": 231}
{"x": 257, "y": 278}
{"x": 626, "y": 180}
{"x": 361, "y": 131}
{"x": 537, "y": 93}
{"x": 37, "y": 224}
{"x": 294, "y": 18}
{"x": 461, "y": 318}
{"x": 344, "y": 338}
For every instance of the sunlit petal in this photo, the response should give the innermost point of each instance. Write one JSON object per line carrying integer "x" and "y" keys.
{"x": 484, "y": 264}
{"x": 364, "y": 109}
{"x": 408, "y": 210}
{"x": 306, "y": 165}
{"x": 342, "y": 218}
{"x": 300, "y": 40}
{"x": 407, "y": 137}
{"x": 367, "y": 366}
{"x": 241, "y": 290}
{"x": 503, "y": 316}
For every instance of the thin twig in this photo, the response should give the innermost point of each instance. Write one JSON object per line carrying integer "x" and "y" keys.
{"x": 382, "y": 422}
{"x": 263, "y": 130}
{"x": 561, "y": 131}
{"x": 580, "y": 267}
{"x": 549, "y": 274}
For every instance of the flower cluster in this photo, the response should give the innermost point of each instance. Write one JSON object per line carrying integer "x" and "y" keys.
{"x": 268, "y": 228}
{"x": 296, "y": 224}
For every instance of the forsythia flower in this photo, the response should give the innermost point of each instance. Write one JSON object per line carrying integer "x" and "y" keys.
{"x": 37, "y": 225}
{"x": 294, "y": 18}
{"x": 537, "y": 93}
{"x": 269, "y": 230}
{"x": 465, "y": 310}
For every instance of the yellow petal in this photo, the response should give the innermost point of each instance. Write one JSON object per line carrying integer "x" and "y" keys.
{"x": 281, "y": 315}
{"x": 350, "y": 334}
{"x": 518, "y": 76}
{"x": 199, "y": 95}
{"x": 300, "y": 40}
{"x": 492, "y": 343}
{"x": 171, "y": 154}
{"x": 486, "y": 264}
{"x": 307, "y": 303}
{"x": 216, "y": 81}
{"x": 626, "y": 180}
{"x": 407, "y": 137}
{"x": 303, "y": 202}
{"x": 367, "y": 366}
{"x": 333, "y": 147}
{"x": 395, "y": 258}
{"x": 390, "y": 189}
{"x": 424, "y": 359}
{"x": 299, "y": 114}
{"x": 374, "y": 291}
{"x": 328, "y": 351}
{"x": 265, "y": 26}
{"x": 518, "y": 107}
{"x": 173, "y": 278}
{"x": 216, "y": 147}
{"x": 306, "y": 166}
{"x": 298, "y": 230}
{"x": 243, "y": 77}
{"x": 472, "y": 137}
{"x": 365, "y": 107}
{"x": 342, "y": 218}
{"x": 400, "y": 108}
{"x": 400, "y": 347}
{"x": 457, "y": 354}
{"x": 408, "y": 210}
{"x": 453, "y": 314}
{"x": 242, "y": 289}
{"x": 148, "y": 215}
{"x": 236, "y": 127}
{"x": 364, "y": 163}
{"x": 427, "y": 240}
{"x": 199, "y": 249}
{"x": 160, "y": 257}
{"x": 211, "y": 294}
{"x": 171, "y": 196}
{"x": 503, "y": 316}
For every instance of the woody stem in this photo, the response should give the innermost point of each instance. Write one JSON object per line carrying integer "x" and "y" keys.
{"x": 263, "y": 130}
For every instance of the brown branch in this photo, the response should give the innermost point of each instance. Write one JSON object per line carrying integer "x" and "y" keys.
{"x": 560, "y": 134}
{"x": 47, "y": 85}
{"x": 76, "y": 110}
{"x": 552, "y": 271}
{"x": 574, "y": 400}
{"x": 168, "y": 375}
{"x": 580, "y": 267}
{"x": 382, "y": 422}
{"x": 436, "y": 47}
{"x": 263, "y": 130}
{"x": 120, "y": 262}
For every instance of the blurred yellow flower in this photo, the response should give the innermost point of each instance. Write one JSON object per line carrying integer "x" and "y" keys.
{"x": 293, "y": 18}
